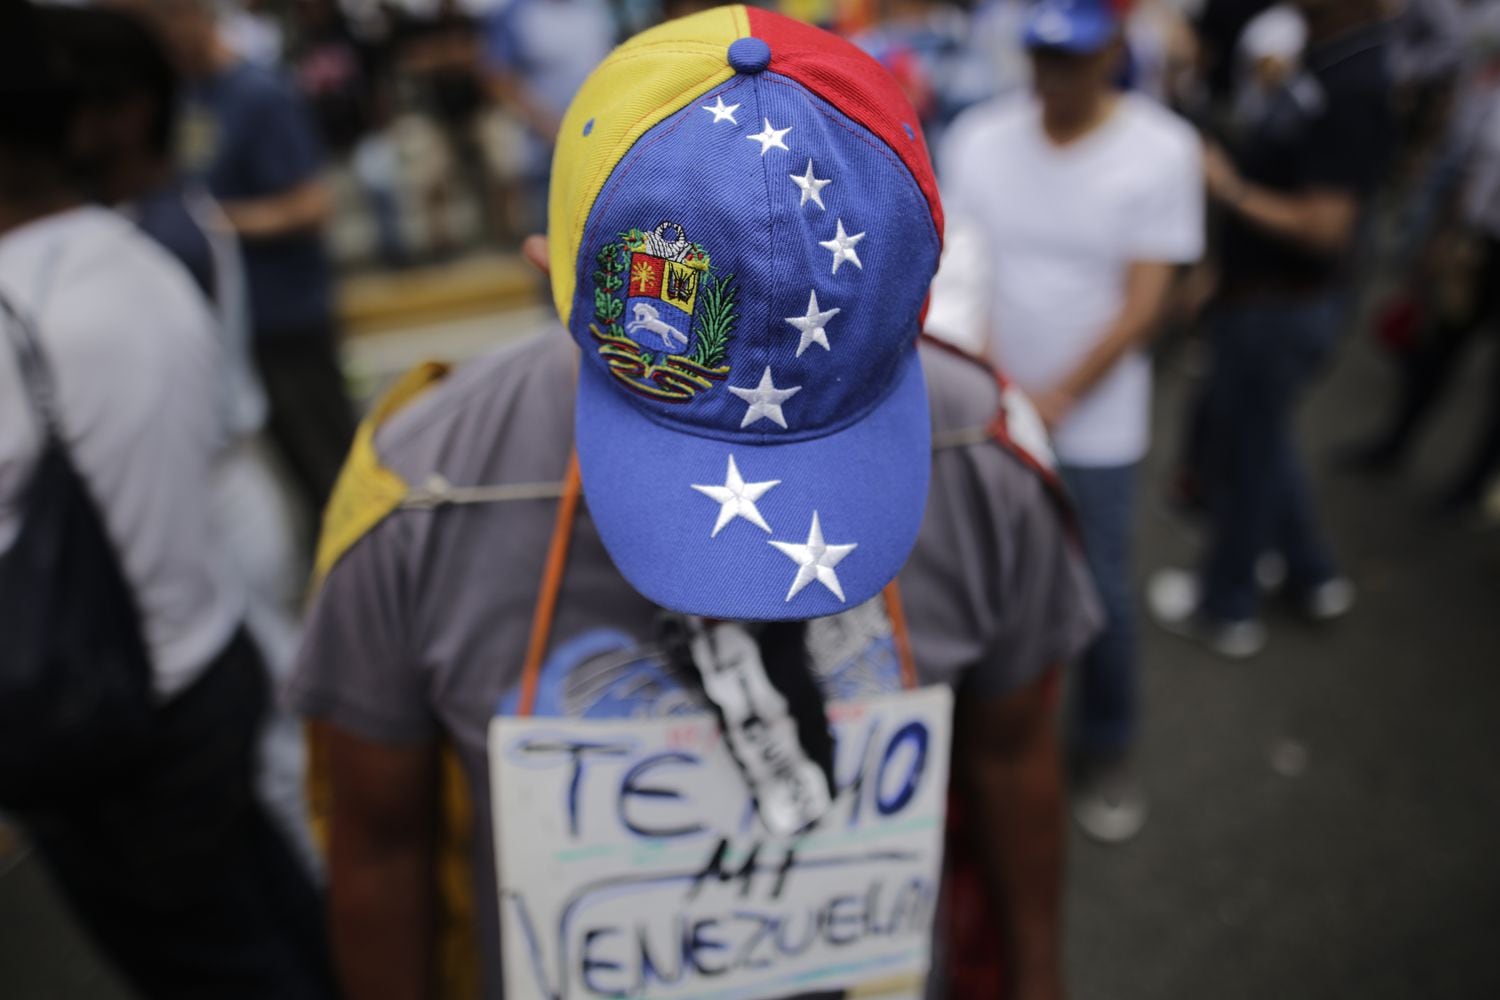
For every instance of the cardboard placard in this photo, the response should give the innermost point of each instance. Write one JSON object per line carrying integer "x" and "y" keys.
{"x": 632, "y": 862}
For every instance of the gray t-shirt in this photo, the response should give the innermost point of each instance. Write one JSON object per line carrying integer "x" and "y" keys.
{"x": 421, "y": 629}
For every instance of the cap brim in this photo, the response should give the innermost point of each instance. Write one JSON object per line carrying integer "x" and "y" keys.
{"x": 1086, "y": 35}
{"x": 866, "y": 483}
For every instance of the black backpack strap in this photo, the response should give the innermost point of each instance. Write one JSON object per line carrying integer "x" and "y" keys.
{"x": 36, "y": 376}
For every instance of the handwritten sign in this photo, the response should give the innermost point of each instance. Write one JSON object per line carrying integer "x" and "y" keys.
{"x": 632, "y": 862}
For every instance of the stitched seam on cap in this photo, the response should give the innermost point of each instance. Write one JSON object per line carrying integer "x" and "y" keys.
{"x": 771, "y": 297}
{"x": 875, "y": 143}
{"x": 601, "y": 175}
{"x": 658, "y": 135}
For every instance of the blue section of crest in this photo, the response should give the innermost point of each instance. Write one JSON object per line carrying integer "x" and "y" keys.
{"x": 657, "y": 325}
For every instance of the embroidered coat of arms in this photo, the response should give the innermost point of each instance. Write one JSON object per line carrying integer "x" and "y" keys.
{"x": 663, "y": 316}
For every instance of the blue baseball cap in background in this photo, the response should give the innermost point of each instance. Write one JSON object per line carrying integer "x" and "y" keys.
{"x": 1078, "y": 26}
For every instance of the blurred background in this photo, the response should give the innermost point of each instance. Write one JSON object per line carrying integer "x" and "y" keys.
{"x": 1323, "y": 818}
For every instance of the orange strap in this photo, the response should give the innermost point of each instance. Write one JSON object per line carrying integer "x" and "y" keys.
{"x": 546, "y": 604}
{"x": 552, "y": 577}
{"x": 902, "y": 634}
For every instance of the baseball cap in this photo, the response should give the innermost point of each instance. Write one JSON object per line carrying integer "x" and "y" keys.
{"x": 1078, "y": 26}
{"x": 744, "y": 223}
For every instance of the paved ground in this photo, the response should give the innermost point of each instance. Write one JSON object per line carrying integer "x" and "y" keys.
{"x": 1325, "y": 818}
{"x": 1373, "y": 872}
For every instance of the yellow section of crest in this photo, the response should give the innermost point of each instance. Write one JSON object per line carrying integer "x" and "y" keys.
{"x": 655, "y": 74}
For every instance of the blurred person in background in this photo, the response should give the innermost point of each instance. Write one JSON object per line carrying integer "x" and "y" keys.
{"x": 249, "y": 137}
{"x": 333, "y": 71}
{"x": 172, "y": 866}
{"x": 1426, "y": 63}
{"x": 438, "y": 57}
{"x": 536, "y": 54}
{"x": 1268, "y": 53}
{"x": 1426, "y": 54}
{"x": 128, "y": 94}
{"x": 927, "y": 46}
{"x": 1218, "y": 27}
{"x": 1081, "y": 201}
{"x": 1163, "y": 51}
{"x": 1472, "y": 226}
{"x": 995, "y": 30}
{"x": 1292, "y": 196}
{"x": 253, "y": 31}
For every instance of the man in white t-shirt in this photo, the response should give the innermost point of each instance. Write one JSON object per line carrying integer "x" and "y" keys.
{"x": 1079, "y": 203}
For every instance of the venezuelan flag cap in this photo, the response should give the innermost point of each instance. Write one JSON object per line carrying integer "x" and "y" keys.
{"x": 744, "y": 223}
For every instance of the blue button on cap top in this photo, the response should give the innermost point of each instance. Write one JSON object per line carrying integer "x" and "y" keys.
{"x": 749, "y": 55}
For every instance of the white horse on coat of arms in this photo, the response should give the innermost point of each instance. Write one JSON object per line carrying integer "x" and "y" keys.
{"x": 649, "y": 319}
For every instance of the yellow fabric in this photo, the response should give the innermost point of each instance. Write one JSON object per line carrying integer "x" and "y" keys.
{"x": 367, "y": 491}
{"x": 365, "y": 494}
{"x": 653, "y": 75}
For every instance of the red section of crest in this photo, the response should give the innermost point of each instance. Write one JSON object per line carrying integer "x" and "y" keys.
{"x": 646, "y": 274}
{"x": 856, "y": 84}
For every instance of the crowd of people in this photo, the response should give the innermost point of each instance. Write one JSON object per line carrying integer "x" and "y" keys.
{"x": 1096, "y": 176}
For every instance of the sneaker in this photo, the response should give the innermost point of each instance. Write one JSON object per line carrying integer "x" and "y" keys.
{"x": 1330, "y": 600}
{"x": 1173, "y": 598}
{"x": 1107, "y": 800}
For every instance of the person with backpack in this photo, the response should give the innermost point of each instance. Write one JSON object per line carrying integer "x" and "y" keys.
{"x": 130, "y": 692}
{"x": 127, "y": 99}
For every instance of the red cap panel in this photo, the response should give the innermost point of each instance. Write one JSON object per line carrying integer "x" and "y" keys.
{"x": 850, "y": 80}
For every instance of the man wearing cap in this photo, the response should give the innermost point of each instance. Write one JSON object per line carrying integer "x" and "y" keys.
{"x": 1080, "y": 200}
{"x": 740, "y": 250}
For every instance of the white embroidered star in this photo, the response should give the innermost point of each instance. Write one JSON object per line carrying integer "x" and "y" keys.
{"x": 721, "y": 111}
{"x": 815, "y": 560}
{"x": 810, "y": 186}
{"x": 842, "y": 246}
{"x": 765, "y": 400}
{"x": 813, "y": 324}
{"x": 769, "y": 138}
{"x": 736, "y": 498}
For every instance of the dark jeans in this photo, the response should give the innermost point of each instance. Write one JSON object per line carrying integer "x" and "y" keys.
{"x": 177, "y": 873}
{"x": 1430, "y": 370}
{"x": 311, "y": 421}
{"x": 1264, "y": 356}
{"x": 1103, "y": 710}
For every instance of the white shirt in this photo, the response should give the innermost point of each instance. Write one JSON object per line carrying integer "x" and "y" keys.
{"x": 1055, "y": 230}
{"x": 132, "y": 350}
